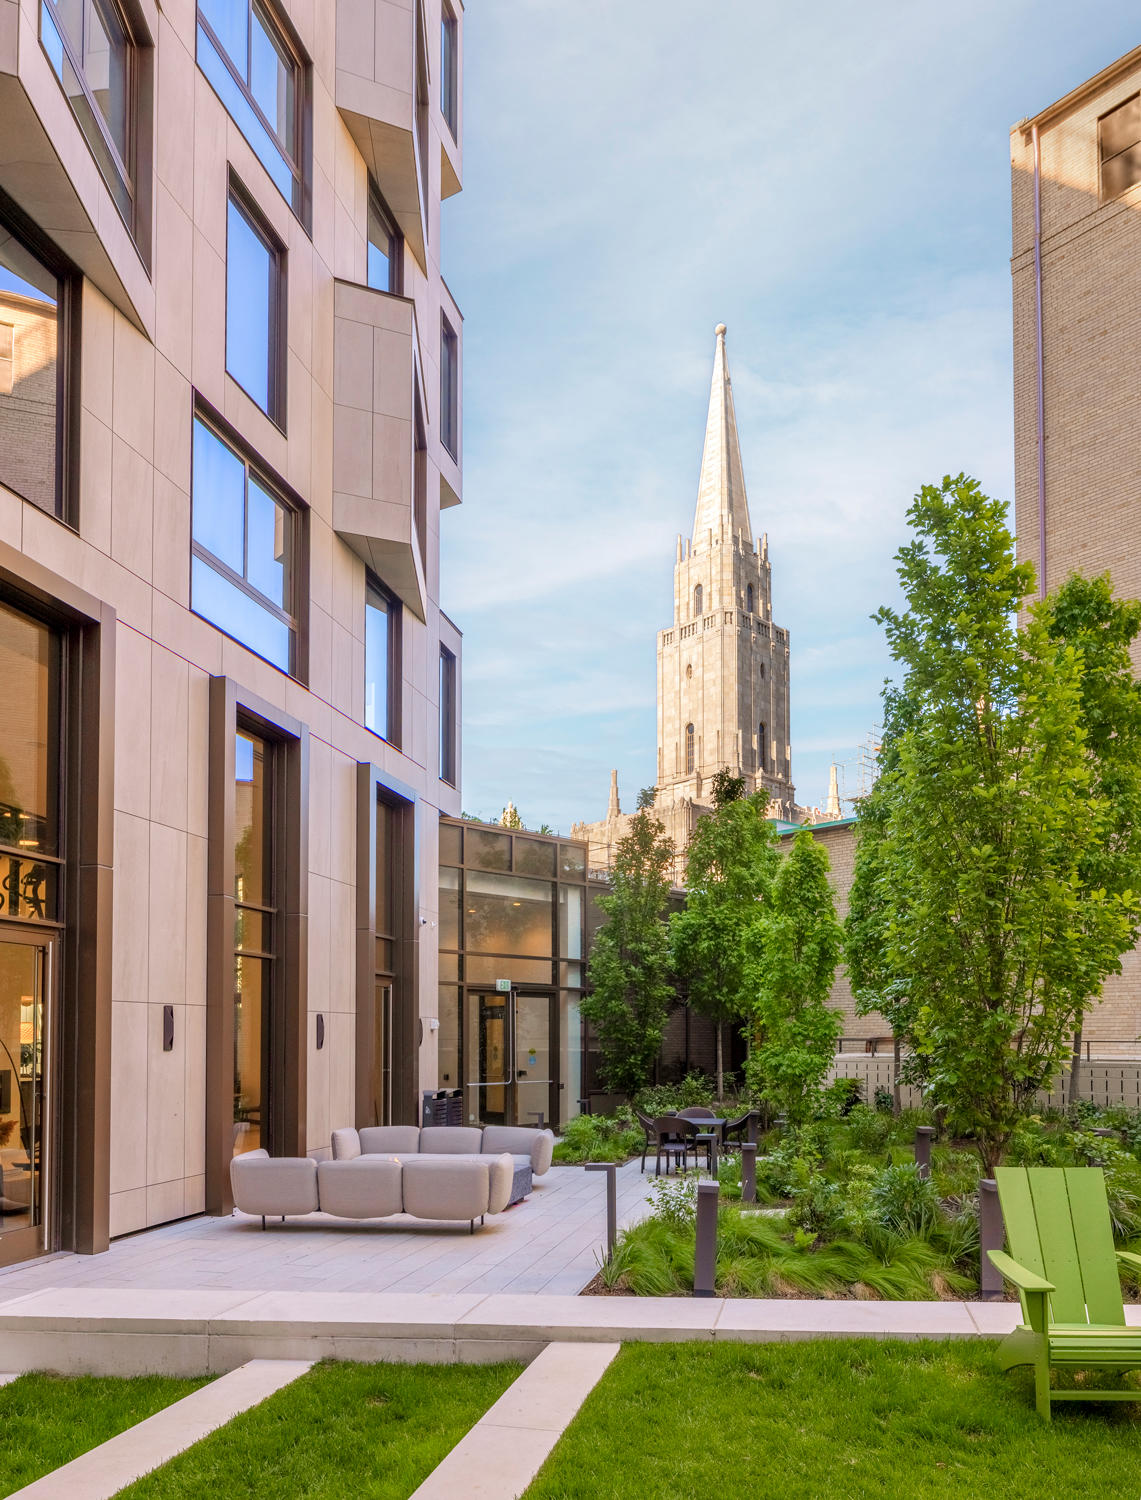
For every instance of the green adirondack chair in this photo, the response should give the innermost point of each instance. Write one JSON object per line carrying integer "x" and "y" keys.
{"x": 1063, "y": 1262}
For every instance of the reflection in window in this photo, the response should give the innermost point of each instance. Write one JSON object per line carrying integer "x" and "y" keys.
{"x": 29, "y": 765}
{"x": 1119, "y": 147}
{"x": 384, "y": 244}
{"x": 253, "y": 309}
{"x": 449, "y": 389}
{"x": 381, "y": 662}
{"x": 507, "y": 914}
{"x": 449, "y": 68}
{"x": 447, "y": 716}
{"x": 254, "y": 935}
{"x": 30, "y": 375}
{"x": 255, "y": 72}
{"x": 449, "y": 908}
{"x": 89, "y": 46}
{"x": 241, "y": 575}
{"x": 689, "y": 750}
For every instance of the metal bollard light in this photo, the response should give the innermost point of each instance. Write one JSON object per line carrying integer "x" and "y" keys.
{"x": 705, "y": 1251}
{"x": 611, "y": 1170}
{"x": 991, "y": 1237}
{"x": 924, "y": 1134}
{"x": 749, "y": 1172}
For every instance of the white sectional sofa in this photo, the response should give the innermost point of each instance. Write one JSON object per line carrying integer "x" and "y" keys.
{"x": 442, "y": 1187}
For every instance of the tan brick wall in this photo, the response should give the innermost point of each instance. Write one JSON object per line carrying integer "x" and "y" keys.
{"x": 1091, "y": 361}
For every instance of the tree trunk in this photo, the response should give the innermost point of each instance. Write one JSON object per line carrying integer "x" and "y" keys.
{"x": 720, "y": 1062}
{"x": 1075, "y": 1069}
{"x": 896, "y": 1091}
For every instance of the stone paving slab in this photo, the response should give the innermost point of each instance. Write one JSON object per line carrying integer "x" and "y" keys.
{"x": 103, "y": 1471}
{"x": 508, "y": 1446}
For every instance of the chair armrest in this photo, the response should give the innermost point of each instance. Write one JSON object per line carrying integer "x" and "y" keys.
{"x": 1130, "y": 1259}
{"x": 1010, "y": 1270}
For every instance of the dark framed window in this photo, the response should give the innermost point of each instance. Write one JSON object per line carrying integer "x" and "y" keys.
{"x": 245, "y": 542}
{"x": 258, "y": 72}
{"x": 255, "y": 307}
{"x": 37, "y": 420}
{"x": 749, "y": 599}
{"x": 690, "y": 750}
{"x": 385, "y": 243}
{"x": 421, "y": 81}
{"x": 447, "y": 716}
{"x": 762, "y": 749}
{"x": 255, "y": 937}
{"x": 382, "y": 621}
{"x": 420, "y": 479}
{"x": 89, "y": 45}
{"x": 449, "y": 68}
{"x": 698, "y": 597}
{"x": 449, "y": 388}
{"x": 1119, "y": 148}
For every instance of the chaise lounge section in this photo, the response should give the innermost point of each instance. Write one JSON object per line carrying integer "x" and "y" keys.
{"x": 442, "y": 1187}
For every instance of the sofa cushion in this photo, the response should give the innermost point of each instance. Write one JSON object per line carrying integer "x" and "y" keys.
{"x": 447, "y": 1189}
{"x": 346, "y": 1144}
{"x": 368, "y": 1187}
{"x": 274, "y": 1184}
{"x": 521, "y": 1140}
{"x": 451, "y": 1140}
{"x": 501, "y": 1175}
{"x": 388, "y": 1139}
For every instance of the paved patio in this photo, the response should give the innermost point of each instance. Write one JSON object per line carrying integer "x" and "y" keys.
{"x": 549, "y": 1244}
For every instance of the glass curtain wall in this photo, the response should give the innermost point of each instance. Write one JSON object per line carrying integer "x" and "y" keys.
{"x": 512, "y": 909}
{"x": 31, "y": 878}
{"x": 255, "y": 936}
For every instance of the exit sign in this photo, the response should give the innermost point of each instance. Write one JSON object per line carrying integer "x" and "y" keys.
{"x": 503, "y": 985}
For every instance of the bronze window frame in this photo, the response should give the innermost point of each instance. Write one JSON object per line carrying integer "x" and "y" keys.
{"x": 297, "y": 160}
{"x": 373, "y": 785}
{"x": 241, "y": 198}
{"x": 69, "y": 302}
{"x": 127, "y": 170}
{"x": 233, "y": 707}
{"x": 449, "y": 388}
{"x": 81, "y": 1191}
{"x": 379, "y": 213}
{"x": 449, "y": 68}
{"x": 296, "y": 617}
{"x": 394, "y": 665}
{"x": 448, "y": 735}
{"x": 1105, "y": 196}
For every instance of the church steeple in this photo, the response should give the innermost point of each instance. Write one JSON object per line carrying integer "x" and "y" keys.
{"x": 722, "y": 506}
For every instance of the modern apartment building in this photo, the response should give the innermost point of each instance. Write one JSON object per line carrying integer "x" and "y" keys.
{"x": 1076, "y": 170}
{"x": 230, "y": 417}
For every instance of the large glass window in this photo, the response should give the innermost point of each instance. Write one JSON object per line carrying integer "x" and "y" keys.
{"x": 384, "y": 244}
{"x": 89, "y": 45}
{"x": 447, "y": 716}
{"x": 1119, "y": 147}
{"x": 256, "y": 72}
{"x": 449, "y": 68}
{"x": 508, "y": 914}
{"x": 255, "y": 920}
{"x": 690, "y": 756}
{"x": 254, "y": 309}
{"x": 31, "y": 375}
{"x": 449, "y": 389}
{"x": 243, "y": 551}
{"x": 382, "y": 663}
{"x": 29, "y": 769}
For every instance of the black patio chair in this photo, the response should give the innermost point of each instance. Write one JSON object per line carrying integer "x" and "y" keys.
{"x": 737, "y": 1131}
{"x": 674, "y": 1136}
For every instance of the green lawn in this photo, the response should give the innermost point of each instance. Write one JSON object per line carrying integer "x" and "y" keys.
{"x": 372, "y": 1432}
{"x": 840, "y": 1420}
{"x": 47, "y": 1420}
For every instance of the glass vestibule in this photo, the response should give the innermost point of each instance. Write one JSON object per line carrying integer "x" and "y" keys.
{"x": 508, "y": 1078}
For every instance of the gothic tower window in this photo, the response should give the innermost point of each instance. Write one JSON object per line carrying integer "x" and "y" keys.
{"x": 697, "y": 595}
{"x": 689, "y": 750}
{"x": 749, "y": 600}
{"x": 762, "y": 759}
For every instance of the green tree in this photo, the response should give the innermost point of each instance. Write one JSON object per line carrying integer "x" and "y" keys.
{"x": 1084, "y": 614}
{"x": 795, "y": 1030}
{"x": 629, "y": 969}
{"x": 731, "y": 863}
{"x": 981, "y": 828}
{"x": 509, "y": 817}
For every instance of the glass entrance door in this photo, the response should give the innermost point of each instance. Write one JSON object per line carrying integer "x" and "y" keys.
{"x": 507, "y": 1051}
{"x": 24, "y": 1052}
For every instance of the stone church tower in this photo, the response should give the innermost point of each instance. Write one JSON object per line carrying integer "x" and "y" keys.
{"x": 723, "y": 666}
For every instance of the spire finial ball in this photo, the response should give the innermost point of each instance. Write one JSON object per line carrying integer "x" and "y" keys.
{"x": 720, "y": 330}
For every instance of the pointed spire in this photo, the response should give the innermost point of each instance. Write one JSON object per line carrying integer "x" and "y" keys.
{"x": 614, "y": 809}
{"x": 832, "y": 807}
{"x": 721, "y": 502}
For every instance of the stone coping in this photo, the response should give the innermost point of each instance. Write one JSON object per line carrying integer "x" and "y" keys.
{"x": 119, "y": 1331}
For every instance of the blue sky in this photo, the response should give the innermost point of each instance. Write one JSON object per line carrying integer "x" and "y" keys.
{"x": 833, "y": 183}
